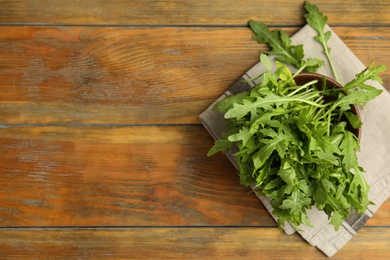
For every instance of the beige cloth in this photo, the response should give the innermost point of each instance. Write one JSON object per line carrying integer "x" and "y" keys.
{"x": 375, "y": 142}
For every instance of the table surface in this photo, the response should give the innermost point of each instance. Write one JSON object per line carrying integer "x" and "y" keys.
{"x": 102, "y": 151}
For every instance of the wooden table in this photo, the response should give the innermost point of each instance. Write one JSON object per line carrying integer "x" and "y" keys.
{"x": 101, "y": 149}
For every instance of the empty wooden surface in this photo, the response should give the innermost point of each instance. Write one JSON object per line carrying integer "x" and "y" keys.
{"x": 101, "y": 150}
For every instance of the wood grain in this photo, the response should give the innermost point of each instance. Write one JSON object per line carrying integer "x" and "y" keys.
{"x": 189, "y": 12}
{"x": 123, "y": 176}
{"x": 110, "y": 75}
{"x": 181, "y": 243}
{"x": 126, "y": 176}
{"x": 101, "y": 150}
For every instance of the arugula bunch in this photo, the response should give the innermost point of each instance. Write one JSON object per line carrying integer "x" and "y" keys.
{"x": 290, "y": 143}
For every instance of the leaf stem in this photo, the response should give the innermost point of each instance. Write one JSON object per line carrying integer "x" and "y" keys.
{"x": 302, "y": 87}
{"x": 327, "y": 53}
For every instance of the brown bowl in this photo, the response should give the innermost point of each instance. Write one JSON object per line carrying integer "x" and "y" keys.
{"x": 306, "y": 77}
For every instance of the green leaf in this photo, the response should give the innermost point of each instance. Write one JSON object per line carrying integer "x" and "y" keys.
{"x": 344, "y": 102}
{"x": 349, "y": 146}
{"x": 284, "y": 190}
{"x": 238, "y": 111}
{"x": 303, "y": 185}
{"x": 329, "y": 186}
{"x": 326, "y": 158}
{"x": 340, "y": 190}
{"x": 263, "y": 173}
{"x": 279, "y": 42}
{"x": 369, "y": 73}
{"x": 266, "y": 120}
{"x": 310, "y": 65}
{"x": 279, "y": 144}
{"x": 275, "y": 183}
{"x": 315, "y": 18}
{"x": 360, "y": 89}
{"x": 266, "y": 62}
{"x": 305, "y": 220}
{"x": 337, "y": 220}
{"x": 243, "y": 135}
{"x": 320, "y": 195}
{"x": 295, "y": 202}
{"x": 246, "y": 180}
{"x": 358, "y": 190}
{"x": 280, "y": 45}
{"x": 318, "y": 21}
{"x": 283, "y": 72}
{"x": 324, "y": 142}
{"x": 298, "y": 51}
{"x": 287, "y": 173}
{"x": 353, "y": 119}
{"x": 245, "y": 172}
{"x": 227, "y": 103}
{"x": 282, "y": 215}
{"x": 355, "y": 97}
{"x": 220, "y": 146}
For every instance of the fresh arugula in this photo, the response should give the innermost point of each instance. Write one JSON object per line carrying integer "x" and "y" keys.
{"x": 292, "y": 146}
{"x": 289, "y": 143}
{"x": 318, "y": 21}
{"x": 281, "y": 46}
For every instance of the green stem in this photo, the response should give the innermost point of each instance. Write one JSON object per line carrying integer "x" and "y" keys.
{"x": 326, "y": 51}
{"x": 302, "y": 87}
{"x": 329, "y": 120}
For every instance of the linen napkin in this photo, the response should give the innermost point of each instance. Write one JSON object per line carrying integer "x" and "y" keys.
{"x": 375, "y": 141}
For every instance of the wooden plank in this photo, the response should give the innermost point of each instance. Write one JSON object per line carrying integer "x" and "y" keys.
{"x": 111, "y": 75}
{"x": 189, "y": 12}
{"x": 160, "y": 75}
{"x": 126, "y": 176}
{"x": 123, "y": 176}
{"x": 181, "y": 243}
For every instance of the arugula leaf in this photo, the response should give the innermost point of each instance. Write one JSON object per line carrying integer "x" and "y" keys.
{"x": 279, "y": 144}
{"x": 320, "y": 195}
{"x": 358, "y": 191}
{"x": 287, "y": 173}
{"x": 369, "y": 73}
{"x": 354, "y": 97}
{"x": 349, "y": 145}
{"x": 245, "y": 173}
{"x": 283, "y": 216}
{"x": 262, "y": 174}
{"x": 220, "y": 146}
{"x": 279, "y": 42}
{"x": 353, "y": 119}
{"x": 309, "y": 64}
{"x": 247, "y": 107}
{"x": 266, "y": 62}
{"x": 243, "y": 135}
{"x": 227, "y": 103}
{"x": 266, "y": 119}
{"x": 295, "y": 201}
{"x": 281, "y": 45}
{"x": 318, "y": 21}
{"x": 324, "y": 142}
{"x": 337, "y": 220}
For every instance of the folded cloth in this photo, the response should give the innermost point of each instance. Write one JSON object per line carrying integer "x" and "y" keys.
{"x": 375, "y": 141}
